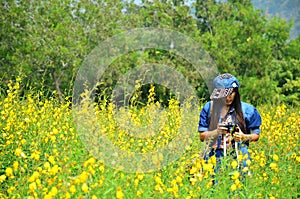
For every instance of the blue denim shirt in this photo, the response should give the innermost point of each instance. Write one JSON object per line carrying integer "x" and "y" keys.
{"x": 251, "y": 116}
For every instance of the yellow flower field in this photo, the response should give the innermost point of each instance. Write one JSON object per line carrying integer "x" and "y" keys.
{"x": 42, "y": 155}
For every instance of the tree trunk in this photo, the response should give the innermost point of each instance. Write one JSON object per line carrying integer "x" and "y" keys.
{"x": 57, "y": 85}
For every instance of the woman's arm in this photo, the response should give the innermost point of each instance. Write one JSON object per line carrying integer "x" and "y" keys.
{"x": 250, "y": 137}
{"x": 253, "y": 122}
{"x": 241, "y": 136}
{"x": 206, "y": 135}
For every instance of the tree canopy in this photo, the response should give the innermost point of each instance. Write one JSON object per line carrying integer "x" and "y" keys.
{"x": 45, "y": 43}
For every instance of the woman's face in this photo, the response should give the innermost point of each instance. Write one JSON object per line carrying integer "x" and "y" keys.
{"x": 229, "y": 99}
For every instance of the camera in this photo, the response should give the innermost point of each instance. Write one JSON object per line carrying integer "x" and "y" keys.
{"x": 230, "y": 127}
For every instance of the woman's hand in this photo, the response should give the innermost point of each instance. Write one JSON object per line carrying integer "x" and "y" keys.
{"x": 222, "y": 129}
{"x": 238, "y": 136}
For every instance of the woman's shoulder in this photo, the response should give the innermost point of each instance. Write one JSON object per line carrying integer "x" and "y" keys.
{"x": 248, "y": 108}
{"x": 246, "y": 104}
{"x": 206, "y": 107}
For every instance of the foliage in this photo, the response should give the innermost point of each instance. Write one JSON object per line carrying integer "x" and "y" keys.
{"x": 292, "y": 51}
{"x": 238, "y": 37}
{"x": 260, "y": 90}
{"x": 286, "y": 74}
{"x": 45, "y": 43}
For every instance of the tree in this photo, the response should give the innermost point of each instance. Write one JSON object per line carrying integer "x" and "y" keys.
{"x": 292, "y": 51}
{"x": 239, "y": 37}
{"x": 45, "y": 42}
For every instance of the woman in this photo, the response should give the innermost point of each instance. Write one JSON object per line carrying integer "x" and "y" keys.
{"x": 224, "y": 111}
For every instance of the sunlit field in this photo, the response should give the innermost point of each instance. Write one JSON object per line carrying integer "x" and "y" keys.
{"x": 42, "y": 155}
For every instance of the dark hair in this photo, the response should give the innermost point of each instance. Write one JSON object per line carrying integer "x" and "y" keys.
{"x": 236, "y": 104}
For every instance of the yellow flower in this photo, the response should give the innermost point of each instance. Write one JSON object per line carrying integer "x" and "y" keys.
{"x": 136, "y": 182}
{"x": 294, "y": 155}
{"x": 158, "y": 180}
{"x": 275, "y": 157}
{"x": 47, "y": 165}
{"x": 240, "y": 157}
{"x": 265, "y": 176}
{"x": 193, "y": 180}
{"x": 72, "y": 189}
{"x": 90, "y": 161}
{"x": 237, "y": 182}
{"x": 275, "y": 180}
{"x": 245, "y": 169}
{"x": 32, "y": 187}
{"x": 85, "y": 188}
{"x": 38, "y": 182}
{"x": 262, "y": 163}
{"x": 35, "y": 156}
{"x": 213, "y": 160}
{"x": 2, "y": 178}
{"x": 245, "y": 156}
{"x": 119, "y": 193}
{"x": 48, "y": 196}
{"x": 54, "y": 170}
{"x": 159, "y": 188}
{"x": 193, "y": 170}
{"x": 16, "y": 165}
{"x": 52, "y": 138}
{"x": 209, "y": 184}
{"x": 101, "y": 168}
{"x": 51, "y": 159}
{"x": 9, "y": 172}
{"x": 234, "y": 164}
{"x": 298, "y": 158}
{"x": 233, "y": 188}
{"x": 83, "y": 177}
{"x": 140, "y": 177}
{"x": 53, "y": 191}
{"x": 139, "y": 193}
{"x": 68, "y": 196}
{"x": 248, "y": 162}
{"x": 208, "y": 167}
{"x": 34, "y": 176}
{"x": 11, "y": 189}
{"x": 18, "y": 152}
{"x": 178, "y": 179}
{"x": 274, "y": 166}
{"x": 235, "y": 175}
